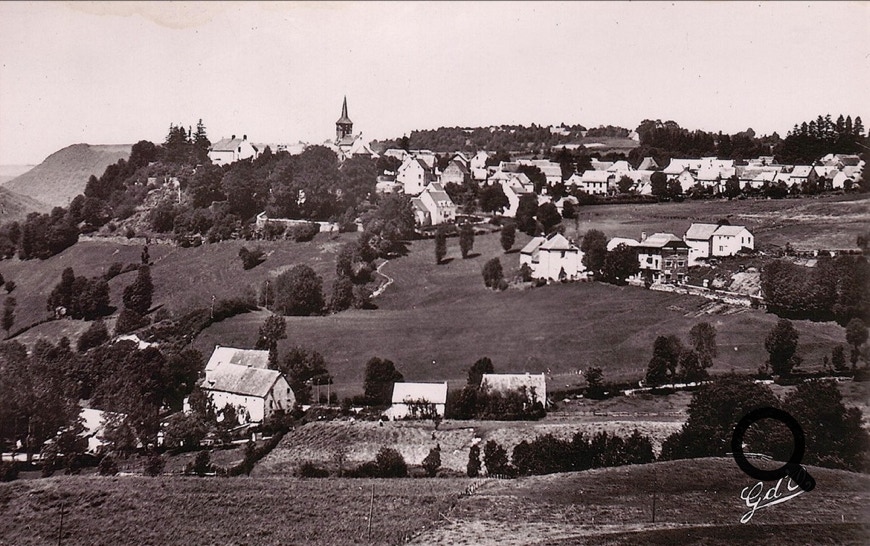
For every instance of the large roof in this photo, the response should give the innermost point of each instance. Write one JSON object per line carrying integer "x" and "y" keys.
{"x": 595, "y": 176}
{"x": 243, "y": 380}
{"x": 433, "y": 393}
{"x": 226, "y": 145}
{"x": 251, "y": 358}
{"x": 701, "y": 232}
{"x": 729, "y": 231}
{"x": 344, "y": 120}
{"x": 557, "y": 241}
{"x": 532, "y": 245}
{"x": 661, "y": 240}
{"x": 801, "y": 171}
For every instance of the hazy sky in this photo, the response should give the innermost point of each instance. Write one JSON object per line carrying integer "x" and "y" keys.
{"x": 111, "y": 73}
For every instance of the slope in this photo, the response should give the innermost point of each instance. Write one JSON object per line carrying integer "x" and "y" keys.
{"x": 64, "y": 174}
{"x": 15, "y": 206}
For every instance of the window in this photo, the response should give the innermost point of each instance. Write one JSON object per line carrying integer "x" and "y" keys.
{"x": 563, "y": 254}
{"x": 649, "y": 259}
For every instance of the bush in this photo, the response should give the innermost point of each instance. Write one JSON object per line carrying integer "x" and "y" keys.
{"x": 94, "y": 336}
{"x": 493, "y": 273}
{"x": 432, "y": 462}
{"x": 304, "y": 232}
{"x": 201, "y": 465}
{"x": 251, "y": 258}
{"x": 8, "y": 471}
{"x": 154, "y": 465}
{"x": 114, "y": 270}
{"x": 108, "y": 466}
{"x": 310, "y": 470}
{"x": 129, "y": 321}
{"x": 391, "y": 464}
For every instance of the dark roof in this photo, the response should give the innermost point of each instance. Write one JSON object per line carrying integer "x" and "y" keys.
{"x": 344, "y": 119}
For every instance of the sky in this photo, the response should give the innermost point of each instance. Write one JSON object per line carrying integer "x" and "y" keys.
{"x": 117, "y": 73}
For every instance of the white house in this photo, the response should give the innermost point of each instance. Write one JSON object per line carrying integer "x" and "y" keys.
{"x": 417, "y": 400}
{"x": 478, "y": 161}
{"x": 414, "y": 174}
{"x": 240, "y": 377}
{"x": 435, "y": 201}
{"x": 533, "y": 385}
{"x": 706, "y": 240}
{"x": 553, "y": 258}
{"x": 514, "y": 186}
{"x": 230, "y": 150}
{"x": 596, "y": 182}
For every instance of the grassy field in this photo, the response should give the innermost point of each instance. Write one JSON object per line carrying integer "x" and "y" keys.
{"x": 435, "y": 321}
{"x": 239, "y": 511}
{"x": 697, "y": 502}
{"x": 184, "y": 278}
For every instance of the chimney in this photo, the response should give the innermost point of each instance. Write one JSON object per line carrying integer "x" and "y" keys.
{"x": 244, "y": 137}
{"x": 642, "y": 236}
{"x": 234, "y": 137}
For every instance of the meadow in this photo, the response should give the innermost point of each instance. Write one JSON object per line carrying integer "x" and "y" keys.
{"x": 696, "y": 502}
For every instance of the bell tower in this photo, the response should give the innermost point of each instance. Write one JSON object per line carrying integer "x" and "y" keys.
{"x": 344, "y": 126}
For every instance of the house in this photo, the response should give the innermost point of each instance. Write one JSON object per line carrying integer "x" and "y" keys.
{"x": 685, "y": 178}
{"x": 417, "y": 401}
{"x": 619, "y": 167}
{"x": 600, "y": 165}
{"x": 534, "y": 386}
{"x": 477, "y": 165}
{"x": 560, "y": 204}
{"x": 414, "y": 174}
{"x": 437, "y": 203}
{"x": 553, "y": 258}
{"x": 802, "y": 175}
{"x": 663, "y": 257}
{"x": 706, "y": 240}
{"x": 514, "y": 186}
{"x": 648, "y": 164}
{"x": 455, "y": 172}
{"x": 241, "y": 377}
{"x": 597, "y": 182}
{"x": 551, "y": 170}
{"x": 616, "y": 241}
{"x": 839, "y": 180}
{"x": 230, "y": 150}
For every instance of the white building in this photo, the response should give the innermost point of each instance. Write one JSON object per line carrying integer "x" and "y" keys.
{"x": 553, "y": 258}
{"x": 230, "y": 150}
{"x": 433, "y": 206}
{"x": 240, "y": 377}
{"x": 417, "y": 400}
{"x": 706, "y": 240}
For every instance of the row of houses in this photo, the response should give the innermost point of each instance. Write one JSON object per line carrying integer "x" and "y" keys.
{"x": 662, "y": 257}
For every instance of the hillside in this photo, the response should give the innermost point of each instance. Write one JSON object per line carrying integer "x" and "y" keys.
{"x": 15, "y": 206}
{"x": 63, "y": 174}
{"x": 8, "y": 172}
{"x": 697, "y": 502}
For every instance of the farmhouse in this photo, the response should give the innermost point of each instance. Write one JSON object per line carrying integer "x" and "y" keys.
{"x": 553, "y": 258}
{"x": 414, "y": 174}
{"x": 706, "y": 240}
{"x": 455, "y": 172}
{"x": 433, "y": 206}
{"x": 240, "y": 377}
{"x": 417, "y": 401}
{"x": 534, "y": 386}
{"x": 230, "y": 150}
{"x": 663, "y": 257}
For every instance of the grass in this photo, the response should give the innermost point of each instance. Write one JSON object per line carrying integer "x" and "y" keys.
{"x": 435, "y": 321}
{"x": 241, "y": 511}
{"x": 697, "y": 502}
{"x": 184, "y": 278}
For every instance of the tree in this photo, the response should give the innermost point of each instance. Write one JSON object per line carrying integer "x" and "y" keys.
{"x": 838, "y": 358}
{"x": 128, "y": 321}
{"x": 475, "y": 373}
{"x": 466, "y": 239}
{"x": 548, "y": 216}
{"x": 495, "y": 458}
{"x": 525, "y": 216}
{"x": 472, "y": 469}
{"x": 691, "y": 368}
{"x": 493, "y": 274}
{"x": 391, "y": 464}
{"x": 594, "y": 248}
{"x": 594, "y": 382}
{"x": 703, "y": 338}
{"x": 298, "y": 292}
{"x": 251, "y": 258}
{"x": 856, "y": 335}
{"x": 303, "y": 369}
{"x": 569, "y": 210}
{"x": 620, "y": 264}
{"x": 659, "y": 184}
{"x": 440, "y": 244}
{"x": 380, "y": 375}
{"x": 625, "y": 184}
{"x": 663, "y": 364}
{"x": 781, "y": 344}
{"x": 342, "y": 295}
{"x": 492, "y": 199}
{"x": 96, "y": 334}
{"x": 9, "y": 313}
{"x": 432, "y": 462}
{"x": 271, "y": 331}
{"x": 137, "y": 296}
{"x": 508, "y": 236}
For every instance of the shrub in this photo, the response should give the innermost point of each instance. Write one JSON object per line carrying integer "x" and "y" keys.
{"x": 129, "y": 321}
{"x": 201, "y": 465}
{"x": 473, "y": 467}
{"x": 310, "y": 470}
{"x": 492, "y": 273}
{"x": 432, "y": 462}
{"x": 391, "y": 464}
{"x": 94, "y": 336}
{"x": 108, "y": 466}
{"x": 251, "y": 258}
{"x": 8, "y": 471}
{"x": 9, "y": 286}
{"x": 154, "y": 465}
{"x": 304, "y": 232}
{"x": 114, "y": 270}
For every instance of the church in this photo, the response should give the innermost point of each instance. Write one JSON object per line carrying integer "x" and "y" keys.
{"x": 346, "y": 143}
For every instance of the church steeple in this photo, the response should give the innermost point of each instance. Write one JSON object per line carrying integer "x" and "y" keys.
{"x": 344, "y": 126}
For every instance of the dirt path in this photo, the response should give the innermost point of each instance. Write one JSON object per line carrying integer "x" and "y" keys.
{"x": 384, "y": 286}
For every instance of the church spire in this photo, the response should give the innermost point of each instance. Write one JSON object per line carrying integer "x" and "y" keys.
{"x": 344, "y": 126}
